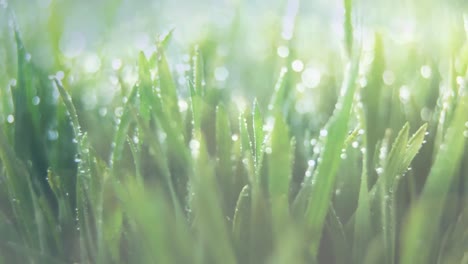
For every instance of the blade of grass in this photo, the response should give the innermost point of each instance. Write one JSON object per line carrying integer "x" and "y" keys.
{"x": 425, "y": 216}
{"x": 280, "y": 170}
{"x": 325, "y": 175}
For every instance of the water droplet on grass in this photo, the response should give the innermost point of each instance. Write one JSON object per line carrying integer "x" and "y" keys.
{"x": 388, "y": 77}
{"x": 297, "y": 65}
{"x": 283, "y": 51}
{"x": 234, "y": 137}
{"x": 60, "y": 75}
{"x": 405, "y": 94}
{"x": 36, "y": 100}
{"x": 311, "y": 77}
{"x": 52, "y": 135}
{"x": 118, "y": 112}
{"x": 194, "y": 146}
{"x": 426, "y": 71}
{"x": 311, "y": 163}
{"x": 116, "y": 64}
{"x": 221, "y": 74}
{"x": 465, "y": 134}
{"x": 323, "y": 133}
{"x": 313, "y": 142}
{"x": 91, "y": 63}
{"x": 379, "y": 170}
{"x": 10, "y": 119}
{"x": 103, "y": 111}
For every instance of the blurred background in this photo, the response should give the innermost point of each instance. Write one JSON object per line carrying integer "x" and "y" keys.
{"x": 244, "y": 43}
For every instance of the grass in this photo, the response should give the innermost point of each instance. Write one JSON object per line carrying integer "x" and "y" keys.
{"x": 372, "y": 171}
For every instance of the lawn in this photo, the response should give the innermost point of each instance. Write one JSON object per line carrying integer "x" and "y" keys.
{"x": 290, "y": 132}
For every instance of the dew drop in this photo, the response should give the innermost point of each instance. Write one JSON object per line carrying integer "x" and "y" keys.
{"x": 102, "y": 111}
{"x": 183, "y": 105}
{"x": 323, "y": 133}
{"x": 116, "y": 64}
{"x": 311, "y": 77}
{"x": 52, "y": 135}
{"x": 36, "y": 100}
{"x": 60, "y": 75}
{"x": 388, "y": 77}
{"x": 311, "y": 163}
{"x": 297, "y": 65}
{"x": 379, "y": 170}
{"x": 10, "y": 119}
{"x": 283, "y": 51}
{"x": 465, "y": 134}
{"x": 221, "y": 74}
{"x": 194, "y": 146}
{"x": 404, "y": 94}
{"x": 426, "y": 71}
{"x": 118, "y": 112}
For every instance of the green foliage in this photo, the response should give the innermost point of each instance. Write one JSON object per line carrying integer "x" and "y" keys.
{"x": 177, "y": 168}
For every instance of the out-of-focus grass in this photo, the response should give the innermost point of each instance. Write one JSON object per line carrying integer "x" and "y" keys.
{"x": 352, "y": 152}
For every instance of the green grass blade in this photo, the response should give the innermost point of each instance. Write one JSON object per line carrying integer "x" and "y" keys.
{"x": 280, "y": 170}
{"x": 280, "y": 93}
{"x": 241, "y": 224}
{"x": 258, "y": 136}
{"x": 348, "y": 26}
{"x": 169, "y": 91}
{"x": 371, "y": 94}
{"x": 207, "y": 206}
{"x": 362, "y": 223}
{"x": 426, "y": 215}
{"x": 324, "y": 178}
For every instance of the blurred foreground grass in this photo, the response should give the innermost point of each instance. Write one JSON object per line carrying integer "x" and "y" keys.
{"x": 352, "y": 153}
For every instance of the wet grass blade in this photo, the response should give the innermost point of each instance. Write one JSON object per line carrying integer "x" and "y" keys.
{"x": 207, "y": 206}
{"x": 241, "y": 224}
{"x": 324, "y": 178}
{"x": 426, "y": 215}
{"x": 362, "y": 223}
{"x": 280, "y": 171}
